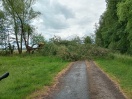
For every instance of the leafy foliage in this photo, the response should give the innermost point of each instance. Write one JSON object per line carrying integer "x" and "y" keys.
{"x": 37, "y": 38}
{"x": 73, "y": 50}
{"x": 88, "y": 40}
{"x": 114, "y": 30}
{"x": 20, "y": 12}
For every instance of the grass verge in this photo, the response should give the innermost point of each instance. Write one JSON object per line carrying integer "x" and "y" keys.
{"x": 27, "y": 74}
{"x": 120, "y": 69}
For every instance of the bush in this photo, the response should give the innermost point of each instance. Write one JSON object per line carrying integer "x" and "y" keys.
{"x": 98, "y": 52}
{"x": 49, "y": 49}
{"x": 62, "y": 52}
{"x": 4, "y": 52}
{"x": 74, "y": 52}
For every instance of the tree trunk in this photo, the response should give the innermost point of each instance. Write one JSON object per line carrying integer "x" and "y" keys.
{"x": 16, "y": 35}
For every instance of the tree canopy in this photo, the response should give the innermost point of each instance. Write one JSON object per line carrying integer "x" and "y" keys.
{"x": 115, "y": 26}
{"x": 20, "y": 13}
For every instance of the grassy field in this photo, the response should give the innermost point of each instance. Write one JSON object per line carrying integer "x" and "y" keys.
{"x": 27, "y": 74}
{"x": 120, "y": 69}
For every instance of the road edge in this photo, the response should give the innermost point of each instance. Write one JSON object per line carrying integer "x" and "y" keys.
{"x": 46, "y": 90}
{"x": 112, "y": 80}
{"x": 117, "y": 87}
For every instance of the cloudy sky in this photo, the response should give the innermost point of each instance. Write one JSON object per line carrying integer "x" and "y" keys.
{"x": 68, "y": 18}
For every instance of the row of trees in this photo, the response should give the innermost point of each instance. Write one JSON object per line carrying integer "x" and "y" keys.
{"x": 115, "y": 26}
{"x": 17, "y": 15}
{"x": 76, "y": 40}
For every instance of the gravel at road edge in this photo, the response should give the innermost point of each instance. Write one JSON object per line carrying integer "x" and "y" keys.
{"x": 100, "y": 85}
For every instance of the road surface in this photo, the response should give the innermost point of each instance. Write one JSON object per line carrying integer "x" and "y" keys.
{"x": 74, "y": 84}
{"x": 84, "y": 80}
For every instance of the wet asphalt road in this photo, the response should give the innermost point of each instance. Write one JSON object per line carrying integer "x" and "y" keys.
{"x": 74, "y": 83}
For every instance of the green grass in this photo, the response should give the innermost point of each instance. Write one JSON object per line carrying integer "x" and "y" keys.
{"x": 119, "y": 68}
{"x": 27, "y": 74}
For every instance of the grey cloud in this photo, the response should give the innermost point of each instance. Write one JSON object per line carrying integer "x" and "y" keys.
{"x": 54, "y": 15}
{"x": 54, "y": 22}
{"x": 68, "y": 16}
{"x": 86, "y": 20}
{"x": 61, "y": 9}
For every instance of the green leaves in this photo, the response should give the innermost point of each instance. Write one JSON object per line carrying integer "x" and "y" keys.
{"x": 21, "y": 13}
{"x": 115, "y": 26}
{"x": 38, "y": 38}
{"x": 124, "y": 12}
{"x": 1, "y": 14}
{"x": 88, "y": 40}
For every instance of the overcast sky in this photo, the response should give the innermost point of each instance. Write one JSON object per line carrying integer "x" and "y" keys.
{"x": 68, "y": 18}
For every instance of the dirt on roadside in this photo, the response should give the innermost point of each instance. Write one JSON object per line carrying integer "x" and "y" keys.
{"x": 100, "y": 85}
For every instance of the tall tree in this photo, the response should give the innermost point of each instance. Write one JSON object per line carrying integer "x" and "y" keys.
{"x": 87, "y": 40}
{"x": 22, "y": 13}
{"x": 4, "y": 29}
{"x": 124, "y": 12}
{"x": 111, "y": 33}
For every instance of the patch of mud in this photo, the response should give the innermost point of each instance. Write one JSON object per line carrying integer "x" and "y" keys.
{"x": 100, "y": 86}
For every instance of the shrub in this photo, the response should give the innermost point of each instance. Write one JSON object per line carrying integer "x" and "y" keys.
{"x": 49, "y": 49}
{"x": 62, "y": 52}
{"x": 74, "y": 52}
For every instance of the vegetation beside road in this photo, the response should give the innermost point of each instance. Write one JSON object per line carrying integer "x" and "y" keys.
{"x": 27, "y": 74}
{"x": 115, "y": 26}
{"x": 30, "y": 72}
{"x": 119, "y": 67}
{"x": 74, "y": 49}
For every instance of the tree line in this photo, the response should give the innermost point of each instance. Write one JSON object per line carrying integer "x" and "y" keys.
{"x": 115, "y": 26}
